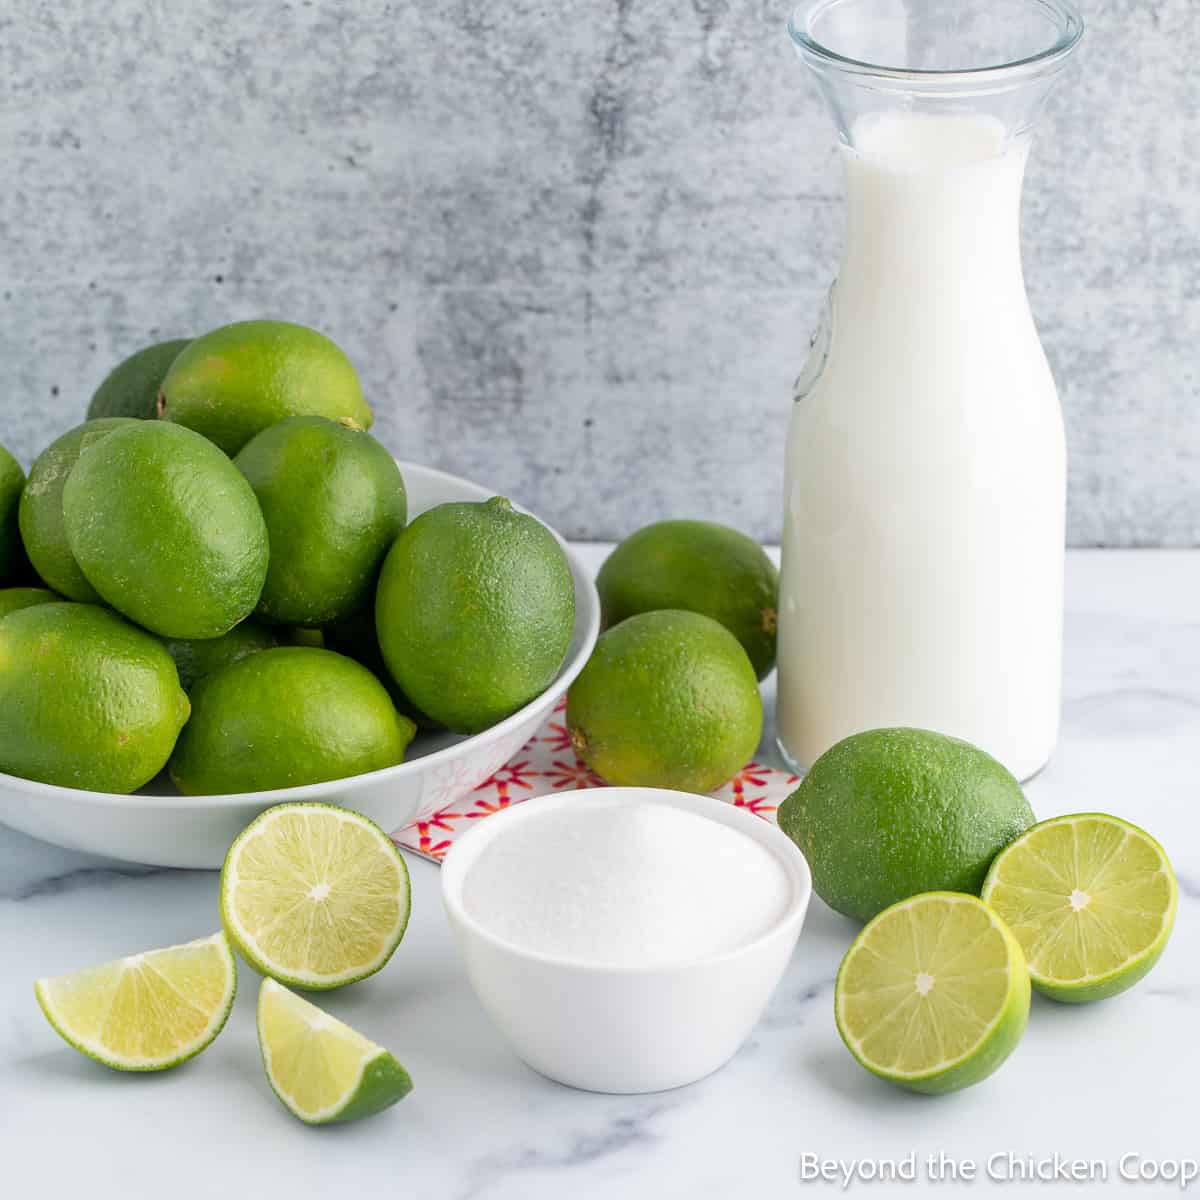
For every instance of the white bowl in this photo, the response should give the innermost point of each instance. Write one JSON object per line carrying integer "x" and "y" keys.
{"x": 624, "y": 1028}
{"x": 159, "y": 827}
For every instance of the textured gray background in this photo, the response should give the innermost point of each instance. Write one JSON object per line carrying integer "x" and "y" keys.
{"x": 574, "y": 248}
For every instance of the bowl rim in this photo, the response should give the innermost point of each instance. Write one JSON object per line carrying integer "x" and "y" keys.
{"x": 585, "y": 587}
{"x": 459, "y": 858}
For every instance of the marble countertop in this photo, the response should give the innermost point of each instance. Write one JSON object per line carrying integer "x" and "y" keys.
{"x": 1099, "y": 1083}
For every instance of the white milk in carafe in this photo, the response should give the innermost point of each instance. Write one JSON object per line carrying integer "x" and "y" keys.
{"x": 926, "y": 467}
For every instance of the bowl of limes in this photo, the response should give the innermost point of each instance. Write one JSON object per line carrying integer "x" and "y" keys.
{"x": 220, "y": 592}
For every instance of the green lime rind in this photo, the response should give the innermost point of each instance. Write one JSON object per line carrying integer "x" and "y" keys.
{"x": 14, "y": 599}
{"x": 989, "y": 1050}
{"x": 130, "y": 389}
{"x": 701, "y": 567}
{"x": 339, "y": 722}
{"x": 116, "y": 1062}
{"x": 236, "y": 381}
{"x": 42, "y": 523}
{"x": 1103, "y": 984}
{"x": 382, "y": 1081}
{"x": 309, "y": 981}
{"x": 890, "y": 813}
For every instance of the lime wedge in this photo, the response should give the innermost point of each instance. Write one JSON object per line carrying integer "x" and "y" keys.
{"x": 322, "y": 1070}
{"x": 934, "y": 993}
{"x": 314, "y": 896}
{"x": 146, "y": 1012}
{"x": 1090, "y": 898}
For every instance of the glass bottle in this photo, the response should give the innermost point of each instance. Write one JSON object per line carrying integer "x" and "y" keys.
{"x": 925, "y": 487}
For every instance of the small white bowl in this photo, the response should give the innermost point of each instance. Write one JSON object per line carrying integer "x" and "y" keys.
{"x": 624, "y": 1029}
{"x": 161, "y": 828}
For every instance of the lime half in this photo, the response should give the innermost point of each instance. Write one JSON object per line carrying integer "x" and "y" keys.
{"x": 314, "y": 896}
{"x": 323, "y": 1071}
{"x": 934, "y": 993}
{"x": 146, "y": 1012}
{"x": 1090, "y": 898}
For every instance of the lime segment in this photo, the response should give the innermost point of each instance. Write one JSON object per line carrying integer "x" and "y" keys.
{"x": 322, "y": 1070}
{"x": 934, "y": 993}
{"x": 148, "y": 1011}
{"x": 1090, "y": 898}
{"x": 314, "y": 895}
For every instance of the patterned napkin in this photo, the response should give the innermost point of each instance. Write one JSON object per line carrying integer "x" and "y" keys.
{"x": 547, "y": 763}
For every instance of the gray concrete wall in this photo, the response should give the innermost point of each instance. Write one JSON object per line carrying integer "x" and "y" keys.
{"x": 575, "y": 248}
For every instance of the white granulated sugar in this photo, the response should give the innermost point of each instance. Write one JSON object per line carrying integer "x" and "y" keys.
{"x": 626, "y": 885}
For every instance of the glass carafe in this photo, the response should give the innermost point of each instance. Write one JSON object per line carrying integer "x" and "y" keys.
{"x": 925, "y": 484}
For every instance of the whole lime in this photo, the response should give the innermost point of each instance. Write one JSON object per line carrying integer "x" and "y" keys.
{"x": 166, "y": 529}
{"x": 12, "y": 481}
{"x": 86, "y": 699}
{"x": 130, "y": 389}
{"x": 287, "y": 717}
{"x": 41, "y": 513}
{"x": 16, "y": 598}
{"x": 889, "y": 813}
{"x": 334, "y": 502}
{"x": 475, "y": 609}
{"x": 701, "y": 567}
{"x": 196, "y": 659}
{"x": 237, "y": 380}
{"x": 668, "y": 699}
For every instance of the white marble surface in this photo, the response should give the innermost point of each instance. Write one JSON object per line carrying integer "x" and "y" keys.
{"x": 1099, "y": 1082}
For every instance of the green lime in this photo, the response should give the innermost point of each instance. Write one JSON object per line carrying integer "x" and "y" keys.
{"x": 287, "y": 717}
{"x": 17, "y": 598}
{"x": 196, "y": 659}
{"x": 934, "y": 993}
{"x": 668, "y": 699}
{"x": 322, "y": 1070}
{"x": 41, "y": 513}
{"x": 1092, "y": 901}
{"x": 474, "y": 610}
{"x": 237, "y": 380}
{"x": 334, "y": 503}
{"x": 86, "y": 700}
{"x": 166, "y": 529}
{"x": 889, "y": 813}
{"x": 12, "y": 481}
{"x": 146, "y": 1012}
{"x": 315, "y": 896}
{"x": 701, "y": 567}
{"x": 131, "y": 388}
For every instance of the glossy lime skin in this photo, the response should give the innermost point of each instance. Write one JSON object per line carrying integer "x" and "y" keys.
{"x": 86, "y": 699}
{"x": 167, "y": 530}
{"x": 474, "y": 611}
{"x": 17, "y": 598}
{"x": 196, "y": 659}
{"x": 668, "y": 699}
{"x": 890, "y": 813}
{"x": 287, "y": 717}
{"x": 700, "y": 567}
{"x": 131, "y": 388}
{"x": 237, "y": 380}
{"x": 42, "y": 526}
{"x": 334, "y": 502}
{"x": 12, "y": 481}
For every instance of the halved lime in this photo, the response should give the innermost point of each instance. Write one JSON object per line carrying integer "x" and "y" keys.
{"x": 934, "y": 993}
{"x": 146, "y": 1012}
{"x": 1091, "y": 899}
{"x": 315, "y": 896}
{"x": 321, "y": 1069}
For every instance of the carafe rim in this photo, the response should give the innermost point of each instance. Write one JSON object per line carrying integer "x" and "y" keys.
{"x": 988, "y": 76}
